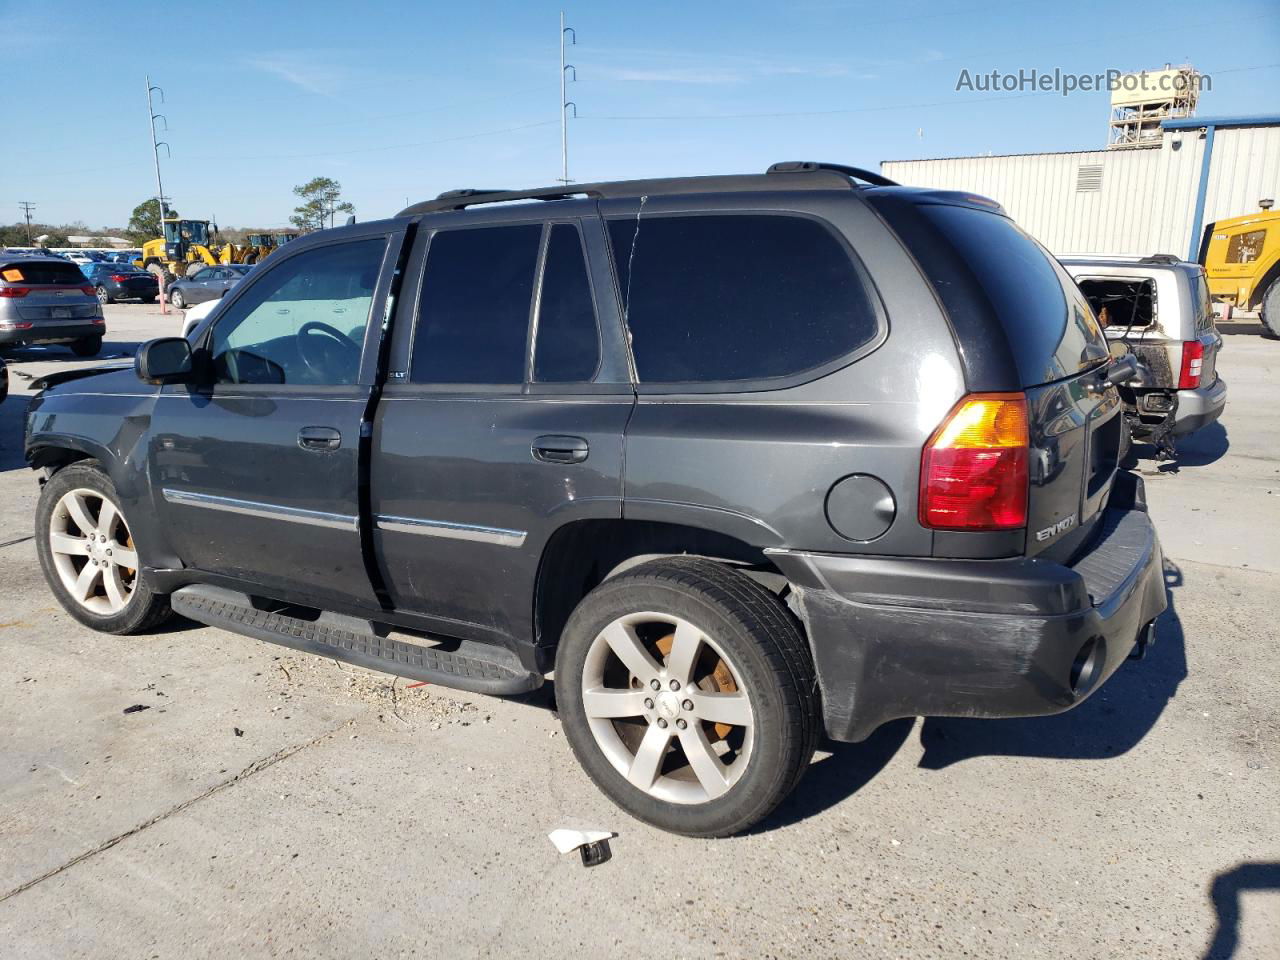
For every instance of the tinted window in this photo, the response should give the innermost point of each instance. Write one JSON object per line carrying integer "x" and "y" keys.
{"x": 200, "y": 276}
{"x": 58, "y": 272}
{"x": 568, "y": 341}
{"x": 737, "y": 297}
{"x": 473, "y": 314}
{"x": 1047, "y": 322}
{"x": 303, "y": 321}
{"x": 1120, "y": 304}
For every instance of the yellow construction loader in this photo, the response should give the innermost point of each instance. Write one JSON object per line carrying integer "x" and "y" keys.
{"x": 1241, "y": 259}
{"x": 187, "y": 245}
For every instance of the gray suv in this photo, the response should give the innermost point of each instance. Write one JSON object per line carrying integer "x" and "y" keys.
{"x": 743, "y": 459}
{"x": 1158, "y": 308}
{"x": 48, "y": 300}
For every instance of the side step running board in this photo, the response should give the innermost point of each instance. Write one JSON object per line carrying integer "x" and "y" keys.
{"x": 480, "y": 668}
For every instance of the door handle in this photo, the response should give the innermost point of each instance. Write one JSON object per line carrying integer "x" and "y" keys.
{"x": 554, "y": 449}
{"x": 319, "y": 438}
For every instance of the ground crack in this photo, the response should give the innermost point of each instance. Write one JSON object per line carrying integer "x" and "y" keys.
{"x": 255, "y": 767}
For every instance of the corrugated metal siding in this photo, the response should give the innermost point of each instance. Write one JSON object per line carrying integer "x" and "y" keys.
{"x": 1146, "y": 203}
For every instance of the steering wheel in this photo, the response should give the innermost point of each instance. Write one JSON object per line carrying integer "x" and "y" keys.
{"x": 320, "y": 356}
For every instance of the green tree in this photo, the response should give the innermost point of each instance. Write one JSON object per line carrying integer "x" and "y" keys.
{"x": 144, "y": 222}
{"x": 322, "y": 200}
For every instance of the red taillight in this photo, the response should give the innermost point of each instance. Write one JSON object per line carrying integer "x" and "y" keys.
{"x": 14, "y": 291}
{"x": 16, "y": 326}
{"x": 90, "y": 289}
{"x": 1192, "y": 365}
{"x": 973, "y": 474}
{"x": 119, "y": 277}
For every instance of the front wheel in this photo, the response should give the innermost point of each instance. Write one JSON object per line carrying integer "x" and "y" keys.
{"x": 1270, "y": 312}
{"x": 178, "y": 300}
{"x": 688, "y": 695}
{"x": 89, "y": 556}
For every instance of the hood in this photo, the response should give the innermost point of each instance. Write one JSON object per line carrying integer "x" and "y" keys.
{"x": 79, "y": 373}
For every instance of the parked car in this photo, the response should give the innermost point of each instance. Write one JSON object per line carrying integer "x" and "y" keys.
{"x": 1158, "y": 307}
{"x": 742, "y": 458}
{"x": 83, "y": 256}
{"x": 47, "y": 300}
{"x": 209, "y": 283}
{"x": 193, "y": 316}
{"x": 117, "y": 281}
{"x": 122, "y": 256}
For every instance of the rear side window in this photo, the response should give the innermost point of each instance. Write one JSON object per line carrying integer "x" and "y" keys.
{"x": 1048, "y": 323}
{"x": 737, "y": 297}
{"x": 473, "y": 313}
{"x": 42, "y": 272}
{"x": 567, "y": 348}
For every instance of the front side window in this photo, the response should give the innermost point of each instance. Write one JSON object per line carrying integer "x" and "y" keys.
{"x": 473, "y": 312}
{"x": 737, "y": 297}
{"x": 304, "y": 321}
{"x": 567, "y": 347}
{"x": 201, "y": 276}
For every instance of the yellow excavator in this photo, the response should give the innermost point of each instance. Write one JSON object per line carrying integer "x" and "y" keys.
{"x": 186, "y": 247}
{"x": 260, "y": 245}
{"x": 1241, "y": 259}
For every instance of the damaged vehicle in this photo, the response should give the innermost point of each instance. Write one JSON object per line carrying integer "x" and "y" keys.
{"x": 742, "y": 459}
{"x": 1158, "y": 308}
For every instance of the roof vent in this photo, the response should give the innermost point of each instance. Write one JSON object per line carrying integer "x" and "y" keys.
{"x": 1089, "y": 178}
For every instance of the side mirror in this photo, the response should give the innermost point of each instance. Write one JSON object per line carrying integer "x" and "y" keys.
{"x": 166, "y": 360}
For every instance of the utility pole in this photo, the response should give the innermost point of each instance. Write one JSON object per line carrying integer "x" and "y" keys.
{"x": 27, "y": 207}
{"x": 565, "y": 104}
{"x": 156, "y": 144}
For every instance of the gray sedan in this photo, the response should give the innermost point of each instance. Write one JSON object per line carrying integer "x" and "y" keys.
{"x": 209, "y": 283}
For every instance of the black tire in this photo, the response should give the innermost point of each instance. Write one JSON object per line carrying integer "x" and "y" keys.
{"x": 86, "y": 346}
{"x": 145, "y": 609}
{"x": 103, "y": 296}
{"x": 178, "y": 300}
{"x": 770, "y": 659}
{"x": 1269, "y": 312}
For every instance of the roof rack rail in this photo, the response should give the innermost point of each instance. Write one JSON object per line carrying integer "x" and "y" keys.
{"x": 807, "y": 166}
{"x": 461, "y": 199}
{"x": 1161, "y": 258}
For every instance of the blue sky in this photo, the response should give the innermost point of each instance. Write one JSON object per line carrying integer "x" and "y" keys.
{"x": 399, "y": 101}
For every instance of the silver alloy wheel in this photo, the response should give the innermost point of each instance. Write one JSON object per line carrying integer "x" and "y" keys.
{"x": 93, "y": 551}
{"x": 637, "y": 705}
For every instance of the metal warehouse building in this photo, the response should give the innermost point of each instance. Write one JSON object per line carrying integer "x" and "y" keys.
{"x": 1133, "y": 201}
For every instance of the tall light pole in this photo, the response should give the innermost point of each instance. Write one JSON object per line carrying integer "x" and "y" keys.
{"x": 156, "y": 144}
{"x": 565, "y": 104}
{"x": 27, "y": 206}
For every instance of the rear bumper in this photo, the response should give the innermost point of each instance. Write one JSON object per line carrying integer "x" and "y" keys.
{"x": 1199, "y": 408}
{"x": 903, "y": 637}
{"x": 62, "y": 332}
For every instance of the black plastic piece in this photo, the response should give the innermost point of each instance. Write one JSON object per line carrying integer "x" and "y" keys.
{"x": 807, "y": 166}
{"x": 594, "y": 854}
{"x": 1161, "y": 258}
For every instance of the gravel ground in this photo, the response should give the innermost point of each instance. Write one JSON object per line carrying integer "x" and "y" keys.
{"x": 268, "y": 804}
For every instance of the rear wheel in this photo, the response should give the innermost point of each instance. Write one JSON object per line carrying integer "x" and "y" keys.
{"x": 88, "y": 554}
{"x": 1270, "y": 312}
{"x": 103, "y": 296}
{"x": 688, "y": 695}
{"x": 87, "y": 346}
